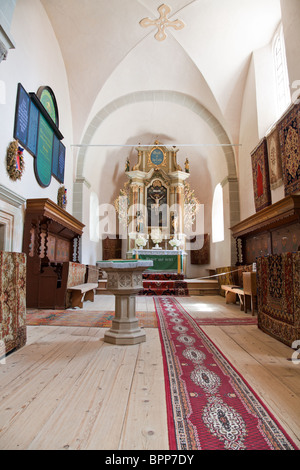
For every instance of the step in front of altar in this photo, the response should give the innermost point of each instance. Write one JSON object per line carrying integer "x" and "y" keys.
{"x": 193, "y": 286}
{"x": 203, "y": 287}
{"x": 173, "y": 287}
{"x": 164, "y": 283}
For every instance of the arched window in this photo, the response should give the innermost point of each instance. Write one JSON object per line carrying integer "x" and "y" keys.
{"x": 218, "y": 215}
{"x": 281, "y": 72}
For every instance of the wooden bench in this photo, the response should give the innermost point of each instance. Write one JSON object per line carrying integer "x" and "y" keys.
{"x": 82, "y": 293}
{"x": 231, "y": 294}
{"x": 81, "y": 283}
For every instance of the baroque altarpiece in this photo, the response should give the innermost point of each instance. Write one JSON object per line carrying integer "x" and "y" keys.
{"x": 155, "y": 198}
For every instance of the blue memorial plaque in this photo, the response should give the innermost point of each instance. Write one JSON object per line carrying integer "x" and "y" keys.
{"x": 22, "y": 116}
{"x": 61, "y": 162}
{"x": 33, "y": 129}
{"x": 55, "y": 156}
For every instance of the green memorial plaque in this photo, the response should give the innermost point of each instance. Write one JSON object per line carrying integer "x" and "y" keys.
{"x": 43, "y": 161}
{"x": 48, "y": 100}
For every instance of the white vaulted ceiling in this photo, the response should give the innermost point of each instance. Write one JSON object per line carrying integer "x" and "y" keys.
{"x": 98, "y": 36}
{"x": 111, "y": 60}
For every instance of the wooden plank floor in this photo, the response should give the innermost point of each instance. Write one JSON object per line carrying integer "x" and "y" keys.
{"x": 67, "y": 389}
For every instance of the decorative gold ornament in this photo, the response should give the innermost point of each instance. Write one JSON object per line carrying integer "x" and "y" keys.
{"x": 162, "y": 22}
{"x": 157, "y": 157}
{"x": 122, "y": 204}
{"x": 191, "y": 206}
{"x": 15, "y": 163}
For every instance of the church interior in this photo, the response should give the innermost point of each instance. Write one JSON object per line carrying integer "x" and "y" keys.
{"x": 149, "y": 225}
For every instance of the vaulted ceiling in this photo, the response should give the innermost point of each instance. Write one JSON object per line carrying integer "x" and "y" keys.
{"x": 105, "y": 48}
{"x": 111, "y": 59}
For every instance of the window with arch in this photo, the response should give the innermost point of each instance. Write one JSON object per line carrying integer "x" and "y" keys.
{"x": 218, "y": 215}
{"x": 281, "y": 72}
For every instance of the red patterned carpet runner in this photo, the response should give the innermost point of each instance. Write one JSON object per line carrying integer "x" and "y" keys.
{"x": 210, "y": 406}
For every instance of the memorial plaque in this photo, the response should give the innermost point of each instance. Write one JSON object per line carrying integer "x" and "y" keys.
{"x": 58, "y": 164}
{"x": 47, "y": 99}
{"x": 22, "y": 116}
{"x": 33, "y": 129}
{"x": 43, "y": 161}
{"x": 36, "y": 128}
{"x": 61, "y": 162}
{"x": 55, "y": 156}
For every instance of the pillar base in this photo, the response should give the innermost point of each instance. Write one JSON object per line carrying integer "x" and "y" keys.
{"x": 123, "y": 338}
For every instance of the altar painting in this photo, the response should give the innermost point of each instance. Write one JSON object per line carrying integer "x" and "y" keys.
{"x": 157, "y": 200}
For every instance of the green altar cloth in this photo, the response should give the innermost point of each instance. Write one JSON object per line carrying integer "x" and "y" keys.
{"x": 165, "y": 260}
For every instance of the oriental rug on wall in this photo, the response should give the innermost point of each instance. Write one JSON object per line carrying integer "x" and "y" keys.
{"x": 260, "y": 173}
{"x": 210, "y": 406}
{"x": 290, "y": 149}
{"x": 278, "y": 296}
{"x": 274, "y": 158}
{"x": 13, "y": 334}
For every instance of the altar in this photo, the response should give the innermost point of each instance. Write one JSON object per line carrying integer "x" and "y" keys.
{"x": 163, "y": 260}
{"x": 157, "y": 208}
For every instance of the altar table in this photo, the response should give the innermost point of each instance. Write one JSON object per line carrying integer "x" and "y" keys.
{"x": 163, "y": 260}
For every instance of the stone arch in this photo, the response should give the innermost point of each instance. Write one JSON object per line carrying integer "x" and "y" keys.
{"x": 159, "y": 95}
{"x": 230, "y": 183}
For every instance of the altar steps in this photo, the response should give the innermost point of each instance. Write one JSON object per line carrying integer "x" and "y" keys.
{"x": 192, "y": 286}
{"x": 203, "y": 287}
{"x": 169, "y": 287}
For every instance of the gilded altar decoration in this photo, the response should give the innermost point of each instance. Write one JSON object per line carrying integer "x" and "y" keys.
{"x": 191, "y": 206}
{"x": 156, "y": 203}
{"x": 187, "y": 165}
{"x": 162, "y": 22}
{"x": 122, "y": 204}
{"x": 15, "y": 163}
{"x": 157, "y": 157}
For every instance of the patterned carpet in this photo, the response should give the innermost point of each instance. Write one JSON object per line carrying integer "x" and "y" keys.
{"x": 85, "y": 318}
{"x": 209, "y": 404}
{"x": 226, "y": 321}
{"x": 90, "y": 318}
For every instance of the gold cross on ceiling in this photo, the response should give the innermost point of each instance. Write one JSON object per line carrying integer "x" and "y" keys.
{"x": 162, "y": 22}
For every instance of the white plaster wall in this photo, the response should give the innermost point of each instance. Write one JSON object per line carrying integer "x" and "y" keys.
{"x": 248, "y": 138}
{"x": 35, "y": 61}
{"x": 290, "y": 21}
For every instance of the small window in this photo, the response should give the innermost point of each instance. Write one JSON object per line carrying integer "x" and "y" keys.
{"x": 218, "y": 215}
